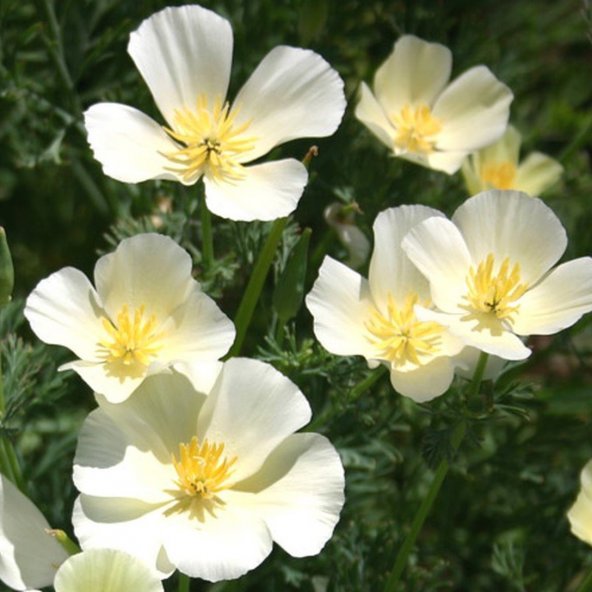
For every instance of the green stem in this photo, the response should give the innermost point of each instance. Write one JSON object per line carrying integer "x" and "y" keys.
{"x": 586, "y": 584}
{"x": 439, "y": 476}
{"x": 356, "y": 392}
{"x": 207, "y": 240}
{"x": 255, "y": 285}
{"x": 183, "y": 583}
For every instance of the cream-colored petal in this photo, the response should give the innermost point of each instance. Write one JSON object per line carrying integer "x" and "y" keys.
{"x": 64, "y": 309}
{"x": 580, "y": 514}
{"x": 558, "y": 301}
{"x": 293, "y": 93}
{"x": 123, "y": 524}
{"x": 537, "y": 173}
{"x": 222, "y": 546}
{"x": 470, "y": 171}
{"x": 183, "y": 52}
{"x": 391, "y": 271}
{"x": 29, "y": 556}
{"x": 202, "y": 375}
{"x": 506, "y": 149}
{"x": 298, "y": 492}
{"x": 466, "y": 362}
{"x": 105, "y": 570}
{"x": 251, "y": 409}
{"x": 266, "y": 192}
{"x": 448, "y": 161}
{"x": 372, "y": 115}
{"x": 415, "y": 73}
{"x": 512, "y": 224}
{"x": 438, "y": 250}
{"x": 130, "y": 145}
{"x": 147, "y": 269}
{"x": 340, "y": 304}
{"x": 474, "y": 111}
{"x": 426, "y": 382}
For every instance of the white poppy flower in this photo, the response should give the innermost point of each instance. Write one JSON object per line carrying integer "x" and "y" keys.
{"x": 490, "y": 272}
{"x": 146, "y": 315}
{"x": 184, "y": 54}
{"x": 376, "y": 318}
{"x": 580, "y": 514}
{"x": 29, "y": 554}
{"x": 497, "y": 167}
{"x": 206, "y": 482}
{"x": 422, "y": 118}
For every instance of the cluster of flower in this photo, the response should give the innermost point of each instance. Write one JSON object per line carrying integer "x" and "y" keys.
{"x": 193, "y": 464}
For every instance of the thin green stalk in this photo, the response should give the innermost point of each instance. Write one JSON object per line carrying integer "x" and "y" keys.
{"x": 255, "y": 285}
{"x": 207, "y": 240}
{"x": 183, "y": 581}
{"x": 586, "y": 583}
{"x": 356, "y": 392}
{"x": 428, "y": 501}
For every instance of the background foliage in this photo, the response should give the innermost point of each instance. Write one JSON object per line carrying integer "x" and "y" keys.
{"x": 499, "y": 523}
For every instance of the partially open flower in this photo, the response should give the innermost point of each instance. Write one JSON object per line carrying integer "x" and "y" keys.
{"x": 497, "y": 167}
{"x": 490, "y": 272}
{"x": 205, "y": 482}
{"x": 376, "y": 318}
{"x": 422, "y": 118}
{"x": 580, "y": 514}
{"x": 184, "y": 54}
{"x": 146, "y": 315}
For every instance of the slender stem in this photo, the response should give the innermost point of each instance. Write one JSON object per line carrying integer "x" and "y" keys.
{"x": 183, "y": 585}
{"x": 207, "y": 240}
{"x": 586, "y": 583}
{"x": 255, "y": 285}
{"x": 439, "y": 476}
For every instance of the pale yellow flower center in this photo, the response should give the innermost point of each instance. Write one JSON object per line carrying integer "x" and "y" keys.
{"x": 210, "y": 142}
{"x": 499, "y": 175}
{"x": 133, "y": 338}
{"x": 495, "y": 292}
{"x": 202, "y": 469}
{"x": 400, "y": 337}
{"x": 416, "y": 128}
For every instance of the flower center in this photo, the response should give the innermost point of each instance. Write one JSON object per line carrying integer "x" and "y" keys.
{"x": 495, "y": 292}
{"x": 202, "y": 468}
{"x": 210, "y": 142}
{"x": 400, "y": 337}
{"x": 499, "y": 175}
{"x": 415, "y": 126}
{"x": 133, "y": 339}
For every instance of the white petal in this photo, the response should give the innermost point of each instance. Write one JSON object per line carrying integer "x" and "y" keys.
{"x": 293, "y": 93}
{"x": 415, "y": 73}
{"x": 391, "y": 271}
{"x": 130, "y": 145}
{"x": 340, "y": 303}
{"x": 112, "y": 461}
{"x": 448, "y": 162}
{"x": 64, "y": 309}
{"x": 29, "y": 556}
{"x": 558, "y": 301}
{"x": 580, "y": 514}
{"x": 512, "y": 224}
{"x": 251, "y": 409}
{"x": 105, "y": 570}
{"x": 537, "y": 173}
{"x": 474, "y": 110}
{"x": 181, "y": 53}
{"x": 425, "y": 382}
{"x": 371, "y": 114}
{"x": 219, "y": 547}
{"x": 147, "y": 269}
{"x": 267, "y": 191}
{"x": 466, "y": 362}
{"x": 202, "y": 375}
{"x": 124, "y": 524}
{"x": 437, "y": 248}
{"x": 506, "y": 149}
{"x": 298, "y": 492}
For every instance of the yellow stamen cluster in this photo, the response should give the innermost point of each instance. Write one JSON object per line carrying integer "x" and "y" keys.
{"x": 202, "y": 468}
{"x": 415, "y": 127}
{"x": 400, "y": 337}
{"x": 495, "y": 292}
{"x": 499, "y": 175}
{"x": 210, "y": 142}
{"x": 133, "y": 338}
